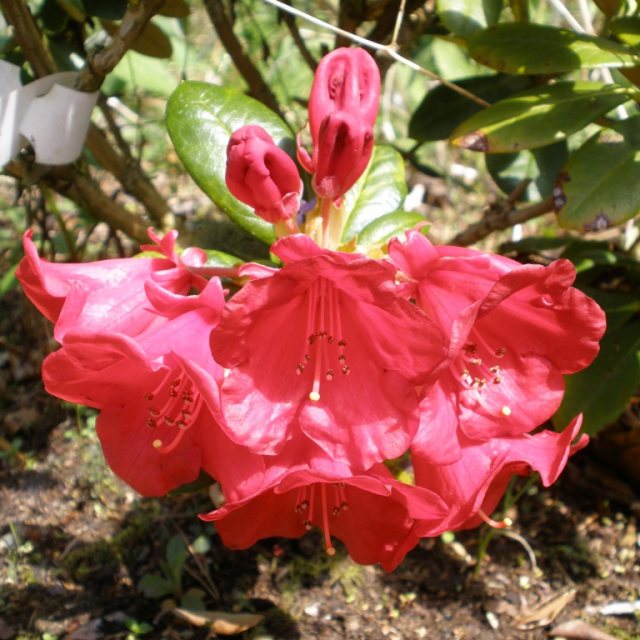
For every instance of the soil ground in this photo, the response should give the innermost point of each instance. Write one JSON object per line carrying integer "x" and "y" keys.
{"x": 75, "y": 544}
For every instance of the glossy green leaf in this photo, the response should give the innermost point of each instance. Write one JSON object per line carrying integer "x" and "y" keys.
{"x": 221, "y": 259}
{"x": 200, "y": 119}
{"x": 540, "y": 166}
{"x": 465, "y": 17}
{"x": 107, "y": 9}
{"x": 152, "y": 41}
{"x": 599, "y": 184}
{"x": 537, "y": 117}
{"x": 380, "y": 190}
{"x": 442, "y": 109}
{"x": 627, "y": 29}
{"x": 528, "y": 48}
{"x": 602, "y": 391}
{"x": 380, "y": 231}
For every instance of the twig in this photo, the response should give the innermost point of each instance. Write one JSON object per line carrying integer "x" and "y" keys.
{"x": 396, "y": 29}
{"x": 84, "y": 191}
{"x": 104, "y": 61}
{"x": 377, "y": 47}
{"x": 501, "y": 218}
{"x": 258, "y": 88}
{"x": 290, "y": 21}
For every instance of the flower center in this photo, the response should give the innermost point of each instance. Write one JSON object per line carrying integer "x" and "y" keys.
{"x": 174, "y": 405}
{"x": 325, "y": 347}
{"x": 481, "y": 368}
{"x": 333, "y": 501}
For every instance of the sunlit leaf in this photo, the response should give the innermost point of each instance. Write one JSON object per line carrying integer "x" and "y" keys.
{"x": 380, "y": 190}
{"x": 380, "y": 231}
{"x": 443, "y": 109}
{"x": 537, "y": 117}
{"x": 598, "y": 186}
{"x": 200, "y": 119}
{"x": 466, "y": 17}
{"x": 520, "y": 47}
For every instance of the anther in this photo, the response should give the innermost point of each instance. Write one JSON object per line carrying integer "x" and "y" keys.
{"x": 153, "y": 412}
{"x": 477, "y": 361}
{"x": 329, "y": 374}
{"x": 300, "y": 369}
{"x": 314, "y": 396}
{"x": 501, "y": 352}
{"x": 470, "y": 348}
{"x": 497, "y": 380}
{"x": 346, "y": 370}
{"x": 307, "y": 356}
{"x": 151, "y": 422}
{"x": 505, "y": 411}
{"x": 501, "y": 524}
{"x": 307, "y": 525}
{"x": 342, "y": 343}
{"x": 149, "y": 396}
{"x": 157, "y": 444}
{"x": 168, "y": 421}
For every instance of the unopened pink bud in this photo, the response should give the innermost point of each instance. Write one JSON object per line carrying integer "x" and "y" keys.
{"x": 262, "y": 175}
{"x": 347, "y": 79}
{"x": 343, "y": 150}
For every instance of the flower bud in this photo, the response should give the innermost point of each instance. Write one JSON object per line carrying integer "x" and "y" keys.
{"x": 262, "y": 175}
{"x": 342, "y": 152}
{"x": 347, "y": 79}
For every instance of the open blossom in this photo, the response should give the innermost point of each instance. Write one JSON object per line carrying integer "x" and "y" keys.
{"x": 107, "y": 294}
{"x": 262, "y": 175}
{"x": 514, "y": 330}
{"x": 153, "y": 421}
{"x": 473, "y": 486}
{"x": 374, "y": 515}
{"x": 325, "y": 346}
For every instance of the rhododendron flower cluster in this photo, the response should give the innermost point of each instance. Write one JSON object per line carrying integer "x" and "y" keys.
{"x": 296, "y": 392}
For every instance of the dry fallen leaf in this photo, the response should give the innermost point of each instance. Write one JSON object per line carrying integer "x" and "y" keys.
{"x": 579, "y": 630}
{"x": 546, "y": 612}
{"x": 224, "y": 624}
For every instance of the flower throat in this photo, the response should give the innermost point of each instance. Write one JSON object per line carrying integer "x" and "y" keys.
{"x": 325, "y": 345}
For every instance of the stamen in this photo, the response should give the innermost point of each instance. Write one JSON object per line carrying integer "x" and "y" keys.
{"x": 505, "y": 411}
{"x": 502, "y": 524}
{"x": 325, "y": 522}
{"x": 157, "y": 444}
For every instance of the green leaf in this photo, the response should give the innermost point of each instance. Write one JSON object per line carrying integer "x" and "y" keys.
{"x": 537, "y": 117}
{"x": 217, "y": 258}
{"x": 602, "y": 390}
{"x": 528, "y": 48}
{"x": 107, "y": 9}
{"x": 152, "y": 41}
{"x": 465, "y": 17}
{"x": 176, "y": 554}
{"x": 200, "y": 119}
{"x": 627, "y": 29}
{"x": 154, "y": 586}
{"x": 136, "y": 71}
{"x": 442, "y": 109}
{"x": 541, "y": 166}
{"x": 380, "y": 231}
{"x": 620, "y": 307}
{"x": 598, "y": 186}
{"x": 380, "y": 190}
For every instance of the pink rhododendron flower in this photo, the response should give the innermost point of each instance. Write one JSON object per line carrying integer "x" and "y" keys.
{"x": 325, "y": 346}
{"x": 341, "y": 155}
{"x": 346, "y": 80}
{"x": 342, "y": 111}
{"x": 107, "y": 294}
{"x": 515, "y": 330}
{"x": 473, "y": 485}
{"x": 374, "y": 515}
{"x": 153, "y": 422}
{"x": 262, "y": 175}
